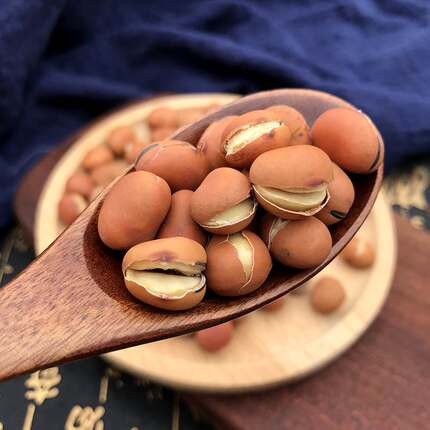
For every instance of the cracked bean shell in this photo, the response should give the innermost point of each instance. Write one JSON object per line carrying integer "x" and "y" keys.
{"x": 166, "y": 273}
{"x": 300, "y": 131}
{"x": 342, "y": 195}
{"x": 292, "y": 182}
{"x": 212, "y": 145}
{"x": 179, "y": 163}
{"x": 179, "y": 222}
{"x": 251, "y": 134}
{"x": 223, "y": 204}
{"x": 300, "y": 244}
{"x": 237, "y": 264}
{"x": 133, "y": 210}
{"x": 350, "y": 139}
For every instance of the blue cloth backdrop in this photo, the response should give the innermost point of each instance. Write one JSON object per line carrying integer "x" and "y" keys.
{"x": 62, "y": 62}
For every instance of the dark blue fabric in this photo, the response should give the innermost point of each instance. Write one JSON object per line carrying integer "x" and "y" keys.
{"x": 62, "y": 62}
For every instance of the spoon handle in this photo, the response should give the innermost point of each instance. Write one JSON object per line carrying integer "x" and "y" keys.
{"x": 40, "y": 309}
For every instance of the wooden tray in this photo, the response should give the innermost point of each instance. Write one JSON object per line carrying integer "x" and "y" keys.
{"x": 268, "y": 348}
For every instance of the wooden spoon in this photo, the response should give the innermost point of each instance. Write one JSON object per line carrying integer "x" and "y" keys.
{"x": 71, "y": 302}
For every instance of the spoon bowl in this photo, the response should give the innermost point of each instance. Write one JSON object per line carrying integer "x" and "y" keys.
{"x": 71, "y": 301}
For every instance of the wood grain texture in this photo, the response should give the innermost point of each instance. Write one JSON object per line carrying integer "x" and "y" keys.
{"x": 70, "y": 301}
{"x": 380, "y": 383}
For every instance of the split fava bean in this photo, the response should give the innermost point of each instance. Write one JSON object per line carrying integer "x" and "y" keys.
{"x": 251, "y": 134}
{"x": 237, "y": 264}
{"x": 223, "y": 203}
{"x": 166, "y": 273}
{"x": 292, "y": 182}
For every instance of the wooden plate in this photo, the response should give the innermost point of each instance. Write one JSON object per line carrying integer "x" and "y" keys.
{"x": 267, "y": 348}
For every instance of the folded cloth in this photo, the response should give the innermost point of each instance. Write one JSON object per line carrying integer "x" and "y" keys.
{"x": 65, "y": 61}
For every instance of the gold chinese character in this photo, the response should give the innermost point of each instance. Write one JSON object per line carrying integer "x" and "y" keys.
{"x": 42, "y": 385}
{"x": 85, "y": 418}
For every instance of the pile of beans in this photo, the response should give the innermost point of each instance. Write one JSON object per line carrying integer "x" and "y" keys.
{"x": 257, "y": 186}
{"x": 115, "y": 154}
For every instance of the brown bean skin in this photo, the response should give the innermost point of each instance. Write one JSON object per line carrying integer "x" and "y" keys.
{"x": 178, "y": 221}
{"x": 179, "y": 163}
{"x": 133, "y": 210}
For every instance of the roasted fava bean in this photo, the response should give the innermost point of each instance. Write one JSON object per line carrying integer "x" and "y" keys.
{"x": 350, "y": 139}
{"x": 359, "y": 253}
{"x": 179, "y": 222}
{"x": 251, "y": 134}
{"x": 237, "y": 264}
{"x": 300, "y": 244}
{"x": 70, "y": 206}
{"x": 292, "y": 182}
{"x": 163, "y": 117}
{"x": 212, "y": 145}
{"x": 179, "y": 163}
{"x": 120, "y": 137}
{"x": 80, "y": 183}
{"x": 215, "y": 338}
{"x": 223, "y": 203}
{"x": 96, "y": 157}
{"x": 342, "y": 196}
{"x": 327, "y": 295}
{"x": 133, "y": 210}
{"x": 300, "y": 132}
{"x": 166, "y": 273}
